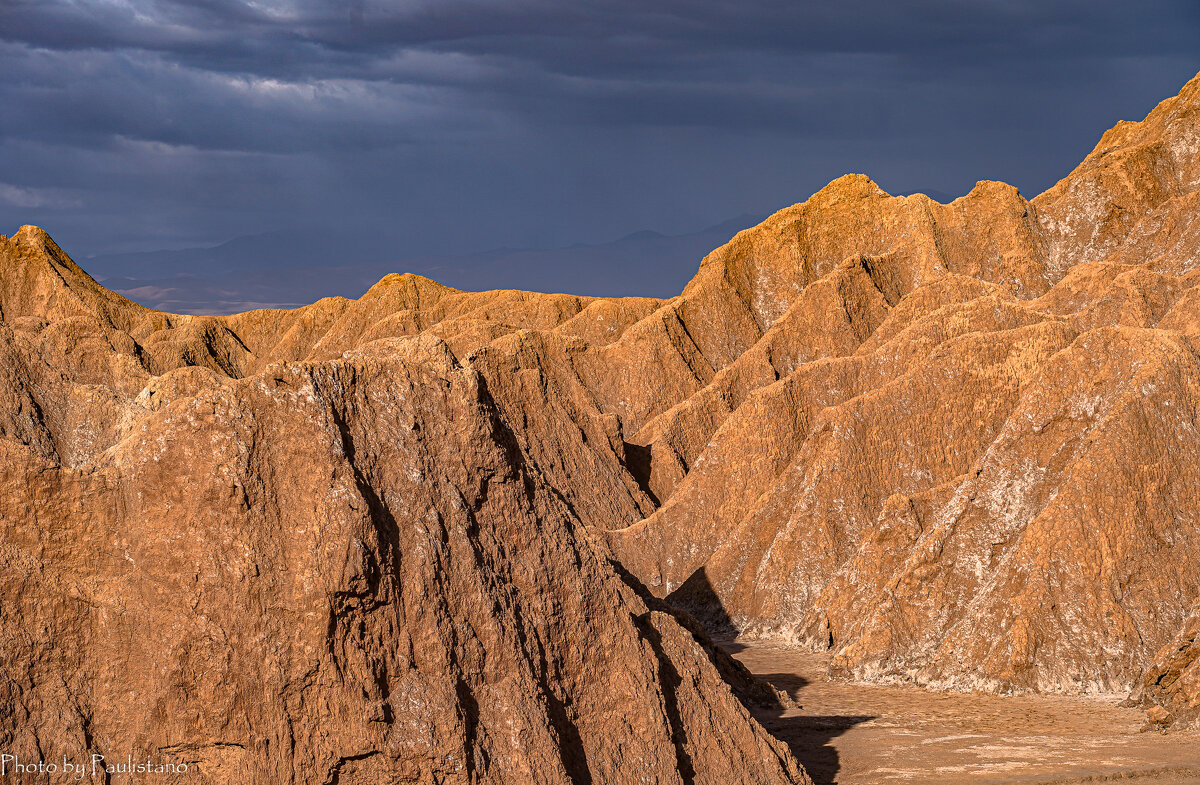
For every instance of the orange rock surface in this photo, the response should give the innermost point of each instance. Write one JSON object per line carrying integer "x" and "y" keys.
{"x": 351, "y": 569}
{"x": 964, "y": 452}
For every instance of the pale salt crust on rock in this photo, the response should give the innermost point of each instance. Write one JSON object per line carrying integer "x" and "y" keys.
{"x": 972, "y": 460}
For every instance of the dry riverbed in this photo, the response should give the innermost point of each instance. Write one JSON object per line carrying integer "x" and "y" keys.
{"x": 861, "y": 734}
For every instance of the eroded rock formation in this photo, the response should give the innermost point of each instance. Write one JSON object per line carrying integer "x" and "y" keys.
{"x": 964, "y": 451}
{"x": 1169, "y": 690}
{"x": 346, "y": 570}
{"x": 372, "y": 540}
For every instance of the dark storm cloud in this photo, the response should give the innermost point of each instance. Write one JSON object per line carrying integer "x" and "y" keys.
{"x": 442, "y": 124}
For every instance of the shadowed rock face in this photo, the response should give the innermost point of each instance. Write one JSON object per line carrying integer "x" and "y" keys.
{"x": 370, "y": 540}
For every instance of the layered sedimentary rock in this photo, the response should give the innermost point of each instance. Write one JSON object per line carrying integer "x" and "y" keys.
{"x": 371, "y": 540}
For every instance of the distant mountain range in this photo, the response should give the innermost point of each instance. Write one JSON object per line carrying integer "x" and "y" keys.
{"x": 284, "y": 269}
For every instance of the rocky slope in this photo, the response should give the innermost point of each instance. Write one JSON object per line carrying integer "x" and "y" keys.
{"x": 369, "y": 539}
{"x": 1169, "y": 690}
{"x": 343, "y": 570}
{"x": 976, "y": 466}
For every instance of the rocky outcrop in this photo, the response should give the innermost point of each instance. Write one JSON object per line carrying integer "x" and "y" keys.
{"x": 1169, "y": 690}
{"x": 418, "y": 536}
{"x": 348, "y": 570}
{"x": 986, "y": 478}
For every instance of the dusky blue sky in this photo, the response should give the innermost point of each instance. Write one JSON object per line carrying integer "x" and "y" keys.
{"x": 454, "y": 126}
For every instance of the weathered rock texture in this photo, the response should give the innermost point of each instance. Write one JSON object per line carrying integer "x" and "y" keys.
{"x": 1169, "y": 690}
{"x": 369, "y": 540}
{"x": 343, "y": 570}
{"x": 965, "y": 449}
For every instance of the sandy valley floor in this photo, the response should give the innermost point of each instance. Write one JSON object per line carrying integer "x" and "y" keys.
{"x": 858, "y": 734}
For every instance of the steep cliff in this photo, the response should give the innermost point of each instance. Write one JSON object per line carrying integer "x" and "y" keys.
{"x": 345, "y": 570}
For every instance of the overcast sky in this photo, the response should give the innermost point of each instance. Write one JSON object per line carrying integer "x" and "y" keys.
{"x": 452, "y": 125}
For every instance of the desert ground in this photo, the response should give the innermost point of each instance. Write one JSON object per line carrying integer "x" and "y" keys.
{"x": 853, "y": 733}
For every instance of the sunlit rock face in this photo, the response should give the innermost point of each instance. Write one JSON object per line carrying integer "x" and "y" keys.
{"x": 964, "y": 450}
{"x": 317, "y": 546}
{"x": 415, "y": 537}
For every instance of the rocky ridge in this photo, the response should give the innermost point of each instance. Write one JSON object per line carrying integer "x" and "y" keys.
{"x": 340, "y": 570}
{"x": 994, "y": 488}
{"x": 954, "y": 443}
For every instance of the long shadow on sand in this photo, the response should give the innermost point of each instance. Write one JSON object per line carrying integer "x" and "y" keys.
{"x": 808, "y": 735}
